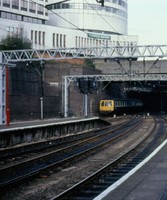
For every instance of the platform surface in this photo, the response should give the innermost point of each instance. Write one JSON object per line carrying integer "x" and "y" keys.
{"x": 40, "y": 123}
{"x": 148, "y": 183}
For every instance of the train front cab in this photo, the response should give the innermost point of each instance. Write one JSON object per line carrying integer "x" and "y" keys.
{"x": 106, "y": 106}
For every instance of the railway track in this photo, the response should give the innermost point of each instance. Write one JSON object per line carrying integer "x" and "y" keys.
{"x": 96, "y": 183}
{"x": 21, "y": 151}
{"x": 31, "y": 168}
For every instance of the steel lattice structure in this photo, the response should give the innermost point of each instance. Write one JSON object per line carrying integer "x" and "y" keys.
{"x": 114, "y": 77}
{"x": 92, "y": 52}
{"x": 121, "y": 77}
{"x": 112, "y": 52}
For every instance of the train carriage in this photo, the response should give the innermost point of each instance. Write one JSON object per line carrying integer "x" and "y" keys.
{"x": 108, "y": 106}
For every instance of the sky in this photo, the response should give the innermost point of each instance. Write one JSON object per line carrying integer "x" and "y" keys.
{"x": 148, "y": 20}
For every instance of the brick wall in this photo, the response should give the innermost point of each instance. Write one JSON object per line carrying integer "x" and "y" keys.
{"x": 26, "y": 88}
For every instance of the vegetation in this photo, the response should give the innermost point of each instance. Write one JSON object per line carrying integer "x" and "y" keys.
{"x": 15, "y": 42}
{"x": 90, "y": 63}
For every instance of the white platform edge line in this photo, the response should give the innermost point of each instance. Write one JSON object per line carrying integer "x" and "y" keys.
{"x": 46, "y": 125}
{"x": 130, "y": 173}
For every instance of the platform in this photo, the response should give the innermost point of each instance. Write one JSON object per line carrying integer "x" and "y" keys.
{"x": 21, "y": 133}
{"x": 147, "y": 182}
{"x": 40, "y": 123}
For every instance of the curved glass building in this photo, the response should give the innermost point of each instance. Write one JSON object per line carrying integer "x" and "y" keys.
{"x": 91, "y": 16}
{"x": 67, "y": 23}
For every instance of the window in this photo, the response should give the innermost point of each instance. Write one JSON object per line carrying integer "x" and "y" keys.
{"x": 60, "y": 40}
{"x": 19, "y": 18}
{"x": 64, "y": 41}
{"x": 34, "y": 20}
{"x": 46, "y": 13}
{"x": 10, "y": 29}
{"x": 91, "y": 43}
{"x": 115, "y": 1}
{"x": 122, "y": 3}
{"x": 15, "y": 4}
{"x": 100, "y": 42}
{"x": 43, "y": 41}
{"x": 53, "y": 43}
{"x": 39, "y": 37}
{"x": 24, "y": 5}
{"x": 88, "y": 42}
{"x": 3, "y": 14}
{"x": 35, "y": 37}
{"x": 106, "y": 103}
{"x": 94, "y": 42}
{"x": 56, "y": 6}
{"x": 32, "y": 7}
{"x": 109, "y": 103}
{"x": 57, "y": 40}
{"x": 79, "y": 41}
{"x": 30, "y": 19}
{"x": 32, "y": 35}
{"x": 76, "y": 41}
{"x": 9, "y": 16}
{"x": 84, "y": 42}
{"x": 40, "y": 9}
{"x": 14, "y": 16}
{"x": 81, "y": 44}
{"x": 65, "y": 5}
{"x": 25, "y": 19}
{"x": 102, "y": 103}
{"x": 6, "y": 3}
{"x": 39, "y": 21}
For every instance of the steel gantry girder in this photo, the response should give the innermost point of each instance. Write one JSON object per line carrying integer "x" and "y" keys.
{"x": 91, "y": 52}
{"x": 112, "y": 52}
{"x": 119, "y": 77}
{"x": 101, "y": 78}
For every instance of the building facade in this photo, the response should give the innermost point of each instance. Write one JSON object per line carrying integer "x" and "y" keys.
{"x": 70, "y": 24}
{"x": 73, "y": 23}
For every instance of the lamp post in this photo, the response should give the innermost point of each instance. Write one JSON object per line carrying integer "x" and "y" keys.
{"x": 42, "y": 87}
{"x": 40, "y": 72}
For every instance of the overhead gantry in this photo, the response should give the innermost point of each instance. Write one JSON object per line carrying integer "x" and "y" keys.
{"x": 114, "y": 52}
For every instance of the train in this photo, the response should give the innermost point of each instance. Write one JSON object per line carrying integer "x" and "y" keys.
{"x": 108, "y": 106}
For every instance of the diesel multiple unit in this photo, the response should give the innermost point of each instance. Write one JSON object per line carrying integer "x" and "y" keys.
{"x": 119, "y": 105}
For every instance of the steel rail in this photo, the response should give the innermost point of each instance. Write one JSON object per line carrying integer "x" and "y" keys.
{"x": 99, "y": 181}
{"x": 115, "y": 170}
{"x": 42, "y": 168}
{"x": 10, "y": 153}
